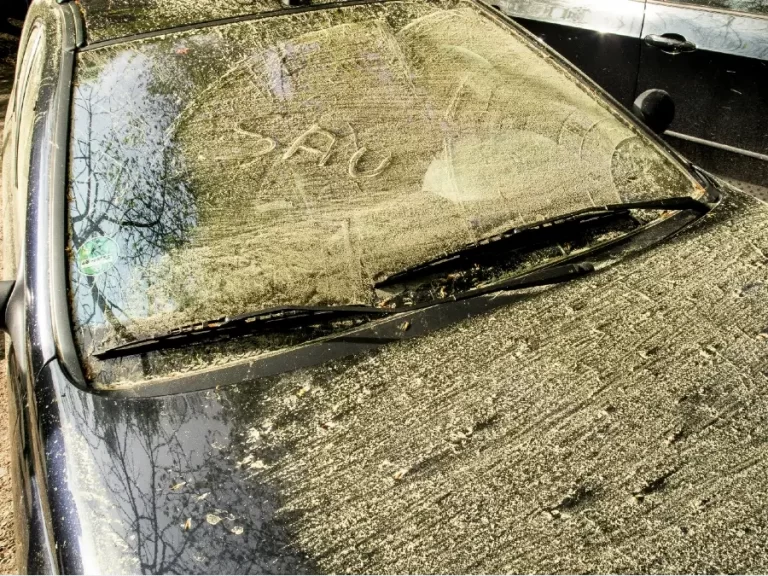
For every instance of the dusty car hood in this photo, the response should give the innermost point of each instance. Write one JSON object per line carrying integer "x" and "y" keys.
{"x": 614, "y": 424}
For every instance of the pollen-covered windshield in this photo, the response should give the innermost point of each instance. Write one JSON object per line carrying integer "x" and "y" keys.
{"x": 295, "y": 159}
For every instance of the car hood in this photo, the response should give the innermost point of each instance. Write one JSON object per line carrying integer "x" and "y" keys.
{"x": 614, "y": 424}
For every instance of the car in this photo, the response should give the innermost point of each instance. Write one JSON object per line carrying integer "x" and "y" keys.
{"x": 366, "y": 287}
{"x": 709, "y": 55}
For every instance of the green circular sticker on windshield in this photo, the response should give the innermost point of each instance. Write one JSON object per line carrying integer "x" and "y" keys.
{"x": 97, "y": 255}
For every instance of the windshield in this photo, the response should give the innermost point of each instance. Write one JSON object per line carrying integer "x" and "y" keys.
{"x": 295, "y": 159}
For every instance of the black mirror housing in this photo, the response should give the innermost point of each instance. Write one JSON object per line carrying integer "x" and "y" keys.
{"x": 6, "y": 287}
{"x": 656, "y": 109}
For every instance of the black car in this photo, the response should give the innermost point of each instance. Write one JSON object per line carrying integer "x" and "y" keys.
{"x": 367, "y": 286}
{"x": 711, "y": 56}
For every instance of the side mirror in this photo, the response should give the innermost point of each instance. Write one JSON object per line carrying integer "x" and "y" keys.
{"x": 656, "y": 109}
{"x": 6, "y": 287}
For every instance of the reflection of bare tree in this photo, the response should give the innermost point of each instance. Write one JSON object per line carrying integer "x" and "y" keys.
{"x": 181, "y": 505}
{"x": 749, "y": 6}
{"x": 127, "y": 184}
{"x": 121, "y": 185}
{"x": 623, "y": 18}
{"x": 719, "y": 32}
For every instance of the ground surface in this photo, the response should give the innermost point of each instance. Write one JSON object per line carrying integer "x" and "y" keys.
{"x": 7, "y": 565}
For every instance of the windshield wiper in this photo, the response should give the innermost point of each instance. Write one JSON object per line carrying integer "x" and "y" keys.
{"x": 291, "y": 317}
{"x": 285, "y": 318}
{"x": 521, "y": 236}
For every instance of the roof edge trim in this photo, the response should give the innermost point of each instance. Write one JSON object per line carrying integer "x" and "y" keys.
{"x": 225, "y": 21}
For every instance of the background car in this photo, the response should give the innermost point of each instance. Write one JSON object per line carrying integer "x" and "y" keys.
{"x": 711, "y": 56}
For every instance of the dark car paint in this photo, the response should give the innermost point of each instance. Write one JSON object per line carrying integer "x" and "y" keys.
{"x": 720, "y": 89}
{"x": 60, "y": 428}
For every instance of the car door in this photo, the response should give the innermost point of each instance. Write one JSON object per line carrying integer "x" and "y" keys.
{"x": 601, "y": 38}
{"x": 712, "y": 57}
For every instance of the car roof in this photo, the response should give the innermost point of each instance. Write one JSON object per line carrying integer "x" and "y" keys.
{"x": 110, "y": 20}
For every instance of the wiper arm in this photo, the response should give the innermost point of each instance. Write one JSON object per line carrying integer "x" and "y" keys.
{"x": 286, "y": 317}
{"x": 522, "y": 235}
{"x": 246, "y": 324}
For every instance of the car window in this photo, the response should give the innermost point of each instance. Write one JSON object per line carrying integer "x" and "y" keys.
{"x": 295, "y": 159}
{"x": 17, "y": 165}
{"x": 746, "y": 6}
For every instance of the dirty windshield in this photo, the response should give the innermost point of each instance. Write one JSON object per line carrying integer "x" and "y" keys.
{"x": 294, "y": 159}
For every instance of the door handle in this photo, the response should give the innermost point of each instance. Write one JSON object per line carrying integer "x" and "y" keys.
{"x": 670, "y": 43}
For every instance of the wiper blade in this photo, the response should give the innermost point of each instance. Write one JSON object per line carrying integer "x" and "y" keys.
{"x": 287, "y": 317}
{"x": 245, "y": 324}
{"x": 522, "y": 235}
